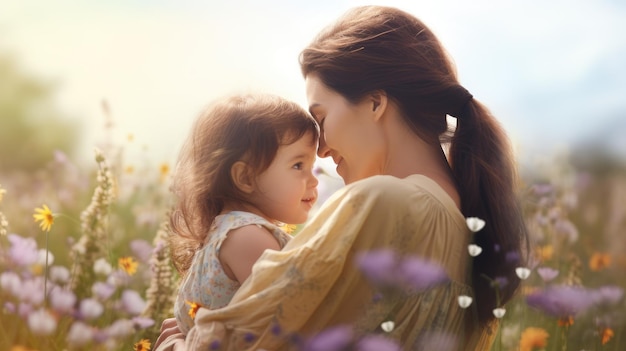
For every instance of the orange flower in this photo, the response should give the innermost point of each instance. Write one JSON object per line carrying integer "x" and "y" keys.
{"x": 607, "y": 334}
{"x": 193, "y": 308}
{"x": 533, "y": 338}
{"x": 142, "y": 345}
{"x": 566, "y": 321}
{"x": 545, "y": 252}
{"x": 128, "y": 264}
{"x": 599, "y": 261}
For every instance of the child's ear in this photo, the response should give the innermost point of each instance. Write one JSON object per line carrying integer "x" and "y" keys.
{"x": 242, "y": 177}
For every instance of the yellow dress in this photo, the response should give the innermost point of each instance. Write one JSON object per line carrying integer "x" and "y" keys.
{"x": 313, "y": 283}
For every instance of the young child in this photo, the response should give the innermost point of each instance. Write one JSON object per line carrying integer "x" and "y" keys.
{"x": 245, "y": 169}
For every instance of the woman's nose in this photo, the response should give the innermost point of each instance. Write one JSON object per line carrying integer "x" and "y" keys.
{"x": 322, "y": 149}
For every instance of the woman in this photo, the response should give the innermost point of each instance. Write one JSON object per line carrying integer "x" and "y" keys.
{"x": 380, "y": 85}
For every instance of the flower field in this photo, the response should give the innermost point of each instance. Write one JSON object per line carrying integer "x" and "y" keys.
{"x": 108, "y": 282}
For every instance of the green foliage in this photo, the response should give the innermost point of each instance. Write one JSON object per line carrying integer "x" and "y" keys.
{"x": 31, "y": 128}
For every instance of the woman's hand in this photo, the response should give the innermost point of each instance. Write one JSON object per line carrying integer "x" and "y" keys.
{"x": 170, "y": 328}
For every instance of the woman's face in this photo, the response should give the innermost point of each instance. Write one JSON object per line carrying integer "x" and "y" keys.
{"x": 349, "y": 133}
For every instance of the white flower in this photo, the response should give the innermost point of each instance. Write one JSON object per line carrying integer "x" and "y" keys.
{"x": 474, "y": 250}
{"x": 474, "y": 224}
{"x": 59, "y": 274}
{"x": 464, "y": 301}
{"x": 388, "y": 326}
{"x": 121, "y": 328}
{"x": 90, "y": 308}
{"x": 79, "y": 334}
{"x": 522, "y": 272}
{"x": 42, "y": 322}
{"x": 62, "y": 300}
{"x": 41, "y": 257}
{"x": 132, "y": 302}
{"x": 499, "y": 312}
{"x": 11, "y": 283}
{"x": 101, "y": 266}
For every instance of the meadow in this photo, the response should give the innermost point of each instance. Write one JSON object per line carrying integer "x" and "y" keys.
{"x": 108, "y": 282}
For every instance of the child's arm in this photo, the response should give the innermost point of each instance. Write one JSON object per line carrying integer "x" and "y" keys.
{"x": 242, "y": 248}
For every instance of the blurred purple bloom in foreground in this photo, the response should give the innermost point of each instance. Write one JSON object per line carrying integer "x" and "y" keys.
{"x": 547, "y": 274}
{"x": 608, "y": 295}
{"x": 385, "y": 268}
{"x": 561, "y": 300}
{"x": 332, "y": 339}
{"x": 377, "y": 343}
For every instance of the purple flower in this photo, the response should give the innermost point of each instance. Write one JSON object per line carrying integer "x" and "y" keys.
{"x": 608, "y": 295}
{"x": 499, "y": 282}
{"x": 384, "y": 268}
{"x": 419, "y": 274}
{"x": 132, "y": 302}
{"x": 62, "y": 300}
{"x": 11, "y": 283}
{"x": 142, "y": 249}
{"x": 332, "y": 339}
{"x": 377, "y": 343}
{"x": 103, "y": 290}
{"x": 566, "y": 229}
{"x": 561, "y": 300}
{"x": 142, "y": 322}
{"x": 23, "y": 251}
{"x": 547, "y": 274}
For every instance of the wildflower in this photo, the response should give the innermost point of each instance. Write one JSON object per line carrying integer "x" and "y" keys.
{"x": 142, "y": 345}
{"x": 193, "y": 308}
{"x": 382, "y": 267}
{"x": 164, "y": 170}
{"x": 42, "y": 322}
{"x": 141, "y": 249}
{"x": 62, "y": 300}
{"x": 607, "y": 295}
{"x": 547, "y": 274}
{"x": 464, "y": 301}
{"x": 388, "y": 326}
{"x": 599, "y": 261}
{"x": 142, "y": 322}
{"x": 499, "y": 312}
{"x": 129, "y": 169}
{"x": 474, "y": 224}
{"x": 132, "y": 302}
{"x": 606, "y": 334}
{"x": 119, "y": 329}
{"x": 90, "y": 308}
{"x": 565, "y": 321}
{"x": 474, "y": 250}
{"x": 80, "y": 334}
{"x": 23, "y": 251}
{"x": 522, "y": 272}
{"x": 101, "y": 266}
{"x": 533, "y": 339}
{"x": 375, "y": 342}
{"x": 567, "y": 229}
{"x": 545, "y": 252}
{"x": 561, "y": 301}
{"x": 45, "y": 218}
{"x": 103, "y": 290}
{"x": 288, "y": 228}
{"x": 128, "y": 264}
{"x": 332, "y": 339}
{"x": 59, "y": 274}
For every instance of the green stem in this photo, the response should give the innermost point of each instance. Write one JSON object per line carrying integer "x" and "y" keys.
{"x": 45, "y": 278}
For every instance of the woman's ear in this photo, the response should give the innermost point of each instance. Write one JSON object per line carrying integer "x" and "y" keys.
{"x": 242, "y": 177}
{"x": 379, "y": 102}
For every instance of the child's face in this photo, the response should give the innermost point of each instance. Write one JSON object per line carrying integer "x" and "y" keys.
{"x": 287, "y": 190}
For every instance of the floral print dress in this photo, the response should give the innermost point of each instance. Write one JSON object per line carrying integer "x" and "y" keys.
{"x": 206, "y": 283}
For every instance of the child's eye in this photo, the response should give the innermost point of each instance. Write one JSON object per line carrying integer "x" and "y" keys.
{"x": 298, "y": 166}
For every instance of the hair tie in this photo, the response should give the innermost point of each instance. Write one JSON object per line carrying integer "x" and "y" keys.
{"x": 461, "y": 98}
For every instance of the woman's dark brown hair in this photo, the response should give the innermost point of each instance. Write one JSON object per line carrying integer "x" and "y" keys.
{"x": 380, "y": 48}
{"x": 247, "y": 128}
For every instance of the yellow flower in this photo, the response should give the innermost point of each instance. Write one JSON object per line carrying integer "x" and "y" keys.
{"x": 599, "y": 261}
{"x": 130, "y": 137}
{"x": 545, "y": 252}
{"x": 129, "y": 169}
{"x": 288, "y": 228}
{"x": 45, "y": 218}
{"x": 533, "y": 339}
{"x": 142, "y": 345}
{"x": 607, "y": 334}
{"x": 128, "y": 264}
{"x": 193, "y": 308}
{"x": 164, "y": 170}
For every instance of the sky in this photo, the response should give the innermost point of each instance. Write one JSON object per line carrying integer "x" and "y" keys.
{"x": 552, "y": 72}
